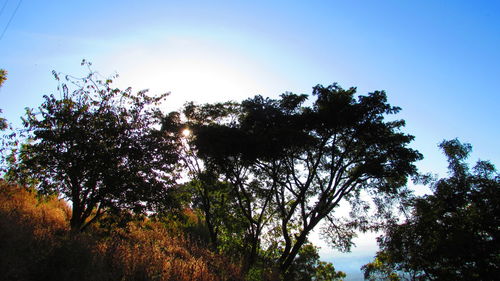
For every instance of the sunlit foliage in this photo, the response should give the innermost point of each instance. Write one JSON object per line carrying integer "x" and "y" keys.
{"x": 37, "y": 244}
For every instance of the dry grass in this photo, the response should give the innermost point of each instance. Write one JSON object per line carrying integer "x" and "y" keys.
{"x": 146, "y": 251}
{"x": 28, "y": 227}
{"x": 35, "y": 244}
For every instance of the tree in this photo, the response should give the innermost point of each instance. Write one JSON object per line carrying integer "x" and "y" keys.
{"x": 213, "y": 197}
{"x": 452, "y": 234}
{"x": 100, "y": 147}
{"x": 3, "y": 77}
{"x": 292, "y": 165}
{"x": 216, "y": 202}
{"x": 380, "y": 269}
{"x": 8, "y": 137}
{"x": 307, "y": 267}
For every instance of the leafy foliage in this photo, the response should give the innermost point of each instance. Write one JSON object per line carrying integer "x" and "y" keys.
{"x": 216, "y": 202}
{"x": 99, "y": 147}
{"x": 231, "y": 191}
{"x": 290, "y": 165}
{"x": 8, "y": 136}
{"x": 380, "y": 269}
{"x": 307, "y": 267}
{"x": 3, "y": 76}
{"x": 453, "y": 233}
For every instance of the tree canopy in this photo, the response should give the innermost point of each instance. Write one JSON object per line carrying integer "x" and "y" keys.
{"x": 254, "y": 179}
{"x": 291, "y": 165}
{"x": 7, "y": 138}
{"x": 3, "y": 77}
{"x": 452, "y": 234}
{"x": 100, "y": 147}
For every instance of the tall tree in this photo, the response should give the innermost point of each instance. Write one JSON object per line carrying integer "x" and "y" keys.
{"x": 211, "y": 195}
{"x": 100, "y": 147}
{"x": 292, "y": 165}
{"x": 452, "y": 234}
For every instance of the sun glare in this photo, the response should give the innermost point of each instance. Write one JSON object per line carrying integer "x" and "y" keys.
{"x": 186, "y": 132}
{"x": 191, "y": 71}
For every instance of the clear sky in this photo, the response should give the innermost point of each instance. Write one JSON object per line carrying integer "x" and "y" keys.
{"x": 438, "y": 60}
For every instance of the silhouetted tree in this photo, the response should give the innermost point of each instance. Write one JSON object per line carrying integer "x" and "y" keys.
{"x": 452, "y": 234}
{"x": 3, "y": 77}
{"x": 100, "y": 147}
{"x": 214, "y": 197}
{"x": 292, "y": 165}
{"x": 8, "y": 136}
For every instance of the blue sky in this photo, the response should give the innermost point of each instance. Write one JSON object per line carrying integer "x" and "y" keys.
{"x": 438, "y": 60}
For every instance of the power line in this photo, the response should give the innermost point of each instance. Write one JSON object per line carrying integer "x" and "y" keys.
{"x": 10, "y": 20}
{"x": 3, "y": 7}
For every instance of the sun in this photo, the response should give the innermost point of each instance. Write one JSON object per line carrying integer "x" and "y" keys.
{"x": 186, "y": 133}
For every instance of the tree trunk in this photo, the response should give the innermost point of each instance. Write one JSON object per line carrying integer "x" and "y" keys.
{"x": 75, "y": 221}
{"x": 251, "y": 256}
{"x": 287, "y": 259}
{"x": 293, "y": 253}
{"x": 212, "y": 232}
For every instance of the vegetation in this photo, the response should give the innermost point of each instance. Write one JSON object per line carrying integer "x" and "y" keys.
{"x": 105, "y": 186}
{"x": 451, "y": 234}
{"x": 37, "y": 244}
{"x": 8, "y": 137}
{"x": 291, "y": 166}
{"x": 98, "y": 147}
{"x": 3, "y": 122}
